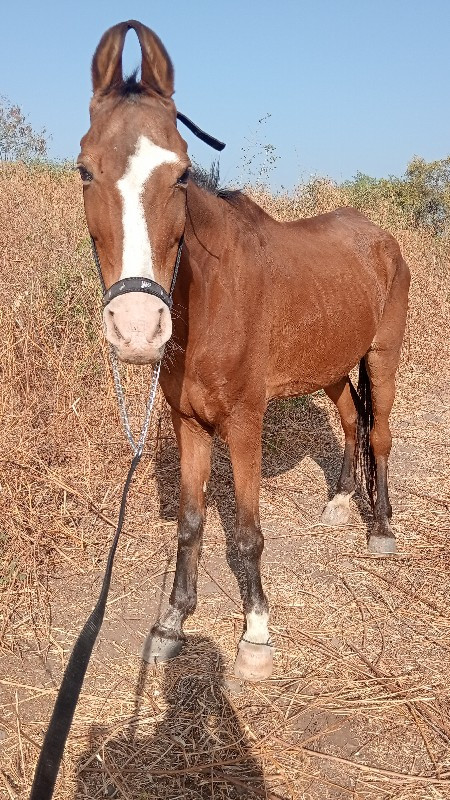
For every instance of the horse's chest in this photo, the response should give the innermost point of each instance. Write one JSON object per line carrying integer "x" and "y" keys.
{"x": 191, "y": 394}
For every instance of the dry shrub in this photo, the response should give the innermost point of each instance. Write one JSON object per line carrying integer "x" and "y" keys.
{"x": 62, "y": 461}
{"x": 56, "y": 398}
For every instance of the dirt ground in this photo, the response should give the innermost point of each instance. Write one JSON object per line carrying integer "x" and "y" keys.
{"x": 358, "y": 705}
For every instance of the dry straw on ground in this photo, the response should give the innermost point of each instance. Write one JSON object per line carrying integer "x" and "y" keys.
{"x": 358, "y": 705}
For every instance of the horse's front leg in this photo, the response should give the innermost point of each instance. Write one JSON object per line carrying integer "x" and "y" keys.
{"x": 194, "y": 444}
{"x": 255, "y": 654}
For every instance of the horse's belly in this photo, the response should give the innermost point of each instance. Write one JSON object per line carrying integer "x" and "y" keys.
{"x": 315, "y": 343}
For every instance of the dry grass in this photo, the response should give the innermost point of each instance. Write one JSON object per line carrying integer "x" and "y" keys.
{"x": 358, "y": 705}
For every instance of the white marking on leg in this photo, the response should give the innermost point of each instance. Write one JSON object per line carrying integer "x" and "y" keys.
{"x": 137, "y": 257}
{"x": 172, "y": 619}
{"x": 341, "y": 500}
{"x": 257, "y": 628}
{"x": 337, "y": 510}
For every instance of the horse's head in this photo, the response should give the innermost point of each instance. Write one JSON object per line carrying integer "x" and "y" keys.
{"x": 133, "y": 164}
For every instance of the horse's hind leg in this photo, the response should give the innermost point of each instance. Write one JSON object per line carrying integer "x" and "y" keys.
{"x": 381, "y": 368}
{"x": 382, "y": 361}
{"x": 194, "y": 444}
{"x": 337, "y": 511}
{"x": 254, "y": 659}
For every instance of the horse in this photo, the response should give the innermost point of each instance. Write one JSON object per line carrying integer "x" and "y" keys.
{"x": 261, "y": 309}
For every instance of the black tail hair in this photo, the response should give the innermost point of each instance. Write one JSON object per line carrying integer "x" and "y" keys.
{"x": 364, "y": 459}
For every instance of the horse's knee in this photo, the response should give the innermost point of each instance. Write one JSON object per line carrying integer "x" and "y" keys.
{"x": 381, "y": 440}
{"x": 190, "y": 526}
{"x": 250, "y": 542}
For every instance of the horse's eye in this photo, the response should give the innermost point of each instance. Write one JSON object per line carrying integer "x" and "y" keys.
{"x": 183, "y": 179}
{"x": 85, "y": 175}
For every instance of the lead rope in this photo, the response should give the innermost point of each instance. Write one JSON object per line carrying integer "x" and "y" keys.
{"x": 69, "y": 692}
{"x": 72, "y": 682}
{"x": 66, "y": 701}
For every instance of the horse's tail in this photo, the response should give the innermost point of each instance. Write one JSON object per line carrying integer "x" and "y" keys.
{"x": 364, "y": 459}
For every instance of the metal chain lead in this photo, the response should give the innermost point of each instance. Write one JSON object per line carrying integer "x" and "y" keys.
{"x": 120, "y": 394}
{"x": 122, "y": 404}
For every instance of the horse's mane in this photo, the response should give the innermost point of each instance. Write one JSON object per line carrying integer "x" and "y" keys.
{"x": 210, "y": 181}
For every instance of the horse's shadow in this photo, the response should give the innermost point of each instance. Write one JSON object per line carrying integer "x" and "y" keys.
{"x": 293, "y": 429}
{"x": 197, "y": 749}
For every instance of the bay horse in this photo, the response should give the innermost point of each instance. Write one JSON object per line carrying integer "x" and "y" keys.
{"x": 264, "y": 309}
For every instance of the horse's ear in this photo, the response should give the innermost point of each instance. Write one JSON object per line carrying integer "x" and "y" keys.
{"x": 157, "y": 71}
{"x": 107, "y": 61}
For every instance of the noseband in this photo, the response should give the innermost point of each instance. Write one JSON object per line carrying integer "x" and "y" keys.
{"x": 145, "y": 285}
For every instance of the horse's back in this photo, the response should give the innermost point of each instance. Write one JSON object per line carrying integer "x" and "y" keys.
{"x": 341, "y": 241}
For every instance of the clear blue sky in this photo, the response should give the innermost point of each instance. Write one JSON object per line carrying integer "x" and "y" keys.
{"x": 351, "y": 85}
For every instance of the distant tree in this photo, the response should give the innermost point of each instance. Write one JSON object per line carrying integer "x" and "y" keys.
{"x": 420, "y": 197}
{"x": 429, "y": 192}
{"x": 18, "y": 140}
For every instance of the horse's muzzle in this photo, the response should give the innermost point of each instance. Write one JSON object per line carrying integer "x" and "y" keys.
{"x": 138, "y": 326}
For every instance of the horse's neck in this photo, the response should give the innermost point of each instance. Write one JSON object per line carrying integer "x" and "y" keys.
{"x": 202, "y": 247}
{"x": 206, "y": 214}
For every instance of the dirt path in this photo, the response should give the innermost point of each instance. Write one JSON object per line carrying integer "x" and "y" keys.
{"x": 358, "y": 705}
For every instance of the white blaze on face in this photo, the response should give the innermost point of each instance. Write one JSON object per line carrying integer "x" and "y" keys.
{"x": 137, "y": 257}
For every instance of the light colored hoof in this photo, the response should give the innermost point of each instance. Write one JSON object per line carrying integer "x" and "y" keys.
{"x": 382, "y": 545}
{"x": 254, "y": 662}
{"x": 337, "y": 511}
{"x": 159, "y": 648}
{"x": 382, "y": 540}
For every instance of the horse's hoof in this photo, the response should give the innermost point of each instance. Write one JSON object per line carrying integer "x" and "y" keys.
{"x": 161, "y": 645}
{"x": 337, "y": 511}
{"x": 254, "y": 662}
{"x": 382, "y": 540}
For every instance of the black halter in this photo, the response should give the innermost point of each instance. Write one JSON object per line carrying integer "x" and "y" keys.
{"x": 139, "y": 284}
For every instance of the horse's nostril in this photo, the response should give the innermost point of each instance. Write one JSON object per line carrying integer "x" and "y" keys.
{"x": 124, "y": 339}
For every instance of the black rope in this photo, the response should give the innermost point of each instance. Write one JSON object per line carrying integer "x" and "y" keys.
{"x": 216, "y": 144}
{"x": 74, "y": 674}
{"x": 66, "y": 701}
{"x": 177, "y": 264}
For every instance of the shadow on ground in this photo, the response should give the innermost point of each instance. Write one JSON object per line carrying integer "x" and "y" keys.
{"x": 293, "y": 429}
{"x": 196, "y": 749}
